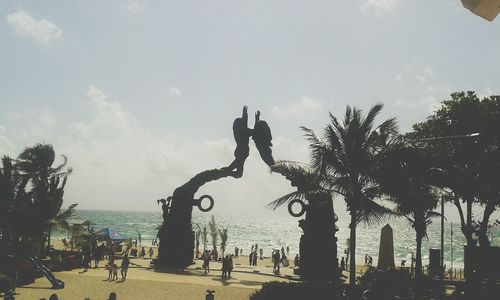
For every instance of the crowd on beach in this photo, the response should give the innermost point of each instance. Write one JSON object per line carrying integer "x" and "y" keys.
{"x": 278, "y": 257}
{"x": 109, "y": 251}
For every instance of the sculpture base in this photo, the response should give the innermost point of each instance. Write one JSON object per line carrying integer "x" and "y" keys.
{"x": 176, "y": 248}
{"x": 318, "y": 258}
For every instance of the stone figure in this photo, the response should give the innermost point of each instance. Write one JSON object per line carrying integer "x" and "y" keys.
{"x": 241, "y": 136}
{"x": 262, "y": 138}
{"x": 176, "y": 233}
{"x": 165, "y": 207}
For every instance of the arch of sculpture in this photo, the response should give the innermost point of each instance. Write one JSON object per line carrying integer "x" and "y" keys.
{"x": 318, "y": 244}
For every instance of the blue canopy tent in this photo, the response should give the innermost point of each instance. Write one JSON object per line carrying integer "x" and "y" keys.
{"x": 110, "y": 233}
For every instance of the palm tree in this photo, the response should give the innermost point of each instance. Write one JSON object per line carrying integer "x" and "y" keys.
{"x": 214, "y": 234}
{"x": 347, "y": 156}
{"x": 197, "y": 240}
{"x": 204, "y": 238}
{"x": 404, "y": 174}
{"x": 223, "y": 240}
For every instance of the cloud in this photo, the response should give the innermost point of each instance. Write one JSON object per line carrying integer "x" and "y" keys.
{"x": 174, "y": 91}
{"x": 417, "y": 86}
{"x": 6, "y": 146}
{"x": 377, "y": 7}
{"x": 42, "y": 30}
{"x": 134, "y": 6}
{"x": 301, "y": 108}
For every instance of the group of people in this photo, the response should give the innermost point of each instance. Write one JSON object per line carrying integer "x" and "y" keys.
{"x": 227, "y": 266}
{"x": 113, "y": 268}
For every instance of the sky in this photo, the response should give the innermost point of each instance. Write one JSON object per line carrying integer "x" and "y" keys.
{"x": 141, "y": 95}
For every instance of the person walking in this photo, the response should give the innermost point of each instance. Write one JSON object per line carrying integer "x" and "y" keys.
{"x": 206, "y": 262}
{"x": 124, "y": 267}
{"x": 229, "y": 266}
{"x": 224, "y": 267}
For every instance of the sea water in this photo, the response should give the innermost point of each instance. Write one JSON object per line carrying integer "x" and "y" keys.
{"x": 276, "y": 231}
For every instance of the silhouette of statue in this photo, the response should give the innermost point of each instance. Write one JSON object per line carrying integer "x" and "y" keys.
{"x": 241, "y": 136}
{"x": 262, "y": 138}
{"x": 176, "y": 234}
{"x": 165, "y": 207}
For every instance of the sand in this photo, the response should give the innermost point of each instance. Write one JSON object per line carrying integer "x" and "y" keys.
{"x": 144, "y": 283}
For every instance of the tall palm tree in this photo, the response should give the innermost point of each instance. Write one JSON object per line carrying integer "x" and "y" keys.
{"x": 214, "y": 234}
{"x": 223, "y": 240}
{"x": 405, "y": 175}
{"x": 347, "y": 156}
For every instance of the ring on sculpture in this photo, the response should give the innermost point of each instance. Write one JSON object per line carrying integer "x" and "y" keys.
{"x": 302, "y": 209}
{"x": 197, "y": 202}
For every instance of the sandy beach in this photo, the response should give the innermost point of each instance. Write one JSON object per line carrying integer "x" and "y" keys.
{"x": 144, "y": 283}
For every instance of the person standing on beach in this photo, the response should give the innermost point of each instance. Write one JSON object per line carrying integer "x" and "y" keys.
{"x": 143, "y": 253}
{"x": 261, "y": 253}
{"x": 342, "y": 264}
{"x": 254, "y": 258}
{"x": 206, "y": 261}
{"x": 151, "y": 252}
{"x": 224, "y": 267}
{"x": 250, "y": 260}
{"x": 287, "y": 251}
{"x": 229, "y": 266}
{"x": 124, "y": 267}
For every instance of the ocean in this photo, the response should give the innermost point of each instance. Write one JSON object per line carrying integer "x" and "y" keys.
{"x": 281, "y": 231}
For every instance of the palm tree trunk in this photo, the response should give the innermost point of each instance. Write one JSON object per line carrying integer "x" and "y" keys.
{"x": 418, "y": 262}
{"x": 352, "y": 248}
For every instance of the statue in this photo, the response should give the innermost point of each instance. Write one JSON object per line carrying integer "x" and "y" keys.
{"x": 241, "y": 136}
{"x": 262, "y": 138}
{"x": 176, "y": 234}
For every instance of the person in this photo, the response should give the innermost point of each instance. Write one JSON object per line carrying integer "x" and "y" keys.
{"x": 229, "y": 266}
{"x": 224, "y": 267}
{"x": 124, "y": 267}
{"x": 276, "y": 261}
{"x": 287, "y": 251}
{"x": 250, "y": 257}
{"x": 97, "y": 256}
{"x": 236, "y": 250}
{"x": 241, "y": 252}
{"x": 342, "y": 264}
{"x": 109, "y": 266}
{"x": 206, "y": 261}
{"x": 151, "y": 252}
{"x": 370, "y": 260}
{"x": 403, "y": 263}
{"x": 366, "y": 259}
{"x": 112, "y": 296}
{"x": 296, "y": 261}
{"x": 241, "y": 135}
{"x": 115, "y": 272}
{"x": 53, "y": 297}
{"x": 261, "y": 253}
{"x": 254, "y": 258}
{"x": 143, "y": 253}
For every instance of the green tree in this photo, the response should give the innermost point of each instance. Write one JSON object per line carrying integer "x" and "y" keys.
{"x": 223, "y": 240}
{"x": 403, "y": 174}
{"x": 214, "y": 233}
{"x": 463, "y": 138}
{"x": 347, "y": 155}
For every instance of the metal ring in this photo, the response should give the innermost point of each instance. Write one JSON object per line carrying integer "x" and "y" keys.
{"x": 197, "y": 202}
{"x": 301, "y": 212}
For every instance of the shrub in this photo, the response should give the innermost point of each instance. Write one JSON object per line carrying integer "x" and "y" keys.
{"x": 296, "y": 291}
{"x": 384, "y": 284}
{"x": 5, "y": 283}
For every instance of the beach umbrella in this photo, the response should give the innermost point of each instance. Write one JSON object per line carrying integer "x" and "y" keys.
{"x": 110, "y": 233}
{"x": 487, "y": 9}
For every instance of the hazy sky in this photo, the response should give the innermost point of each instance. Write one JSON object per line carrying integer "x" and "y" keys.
{"x": 141, "y": 95}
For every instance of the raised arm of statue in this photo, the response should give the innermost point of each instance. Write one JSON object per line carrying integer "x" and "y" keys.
{"x": 262, "y": 138}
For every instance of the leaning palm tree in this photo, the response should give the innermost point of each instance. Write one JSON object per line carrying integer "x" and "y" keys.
{"x": 404, "y": 174}
{"x": 347, "y": 156}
